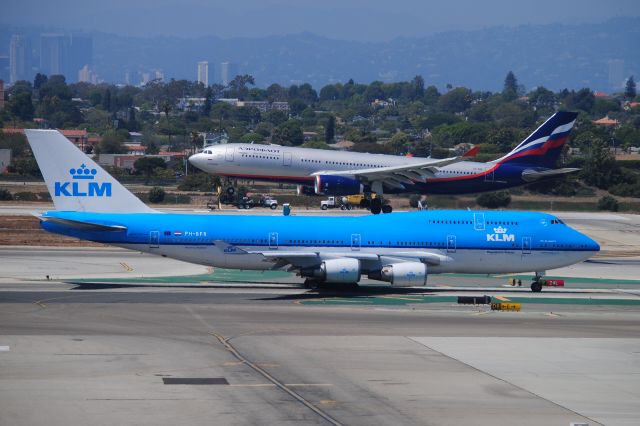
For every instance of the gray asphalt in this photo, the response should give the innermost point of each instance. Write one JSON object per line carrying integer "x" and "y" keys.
{"x": 99, "y": 356}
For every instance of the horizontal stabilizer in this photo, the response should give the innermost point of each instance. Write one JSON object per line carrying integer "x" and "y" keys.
{"x": 534, "y": 175}
{"x": 85, "y": 226}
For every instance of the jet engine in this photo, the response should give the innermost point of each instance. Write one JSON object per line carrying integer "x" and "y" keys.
{"x": 337, "y": 185}
{"x": 336, "y": 271}
{"x": 404, "y": 274}
{"x": 305, "y": 190}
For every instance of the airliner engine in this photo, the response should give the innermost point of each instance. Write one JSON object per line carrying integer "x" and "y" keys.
{"x": 336, "y": 271}
{"x": 337, "y": 185}
{"x": 405, "y": 274}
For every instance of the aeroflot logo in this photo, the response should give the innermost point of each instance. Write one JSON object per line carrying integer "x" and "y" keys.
{"x": 500, "y": 235}
{"x": 82, "y": 184}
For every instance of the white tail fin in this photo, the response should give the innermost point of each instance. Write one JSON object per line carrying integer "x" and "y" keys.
{"x": 75, "y": 181}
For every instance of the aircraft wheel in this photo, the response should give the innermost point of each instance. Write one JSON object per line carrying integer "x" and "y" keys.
{"x": 311, "y": 283}
{"x": 387, "y": 208}
{"x": 536, "y": 286}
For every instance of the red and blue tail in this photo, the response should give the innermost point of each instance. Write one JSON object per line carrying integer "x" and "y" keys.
{"x": 542, "y": 148}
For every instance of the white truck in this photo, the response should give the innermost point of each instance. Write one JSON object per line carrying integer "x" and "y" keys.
{"x": 334, "y": 203}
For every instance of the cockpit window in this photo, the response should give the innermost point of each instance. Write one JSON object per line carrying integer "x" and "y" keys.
{"x": 557, "y": 222}
{"x": 208, "y": 152}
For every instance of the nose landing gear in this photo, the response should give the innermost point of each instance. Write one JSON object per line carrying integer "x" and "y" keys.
{"x": 536, "y": 284}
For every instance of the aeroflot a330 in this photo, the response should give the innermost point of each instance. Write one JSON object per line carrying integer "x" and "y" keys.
{"x": 326, "y": 172}
{"x": 401, "y": 248}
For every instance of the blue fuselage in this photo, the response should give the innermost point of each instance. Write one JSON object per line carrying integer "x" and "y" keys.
{"x": 467, "y": 241}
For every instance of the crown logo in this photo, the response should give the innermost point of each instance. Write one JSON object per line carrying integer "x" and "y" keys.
{"x": 500, "y": 230}
{"x": 83, "y": 172}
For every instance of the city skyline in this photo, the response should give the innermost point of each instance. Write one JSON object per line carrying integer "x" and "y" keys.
{"x": 362, "y": 20}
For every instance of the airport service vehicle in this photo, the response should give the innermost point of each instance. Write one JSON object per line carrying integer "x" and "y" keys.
{"x": 337, "y": 173}
{"x": 272, "y": 203}
{"x": 402, "y": 248}
{"x": 348, "y": 202}
{"x": 248, "y": 203}
{"x": 335, "y": 203}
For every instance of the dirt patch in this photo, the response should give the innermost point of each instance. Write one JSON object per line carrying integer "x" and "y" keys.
{"x": 25, "y": 230}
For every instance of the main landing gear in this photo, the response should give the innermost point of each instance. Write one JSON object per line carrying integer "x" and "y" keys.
{"x": 377, "y": 207}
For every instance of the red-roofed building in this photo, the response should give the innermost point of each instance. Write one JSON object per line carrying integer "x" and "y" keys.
{"x": 12, "y": 131}
{"x": 599, "y": 94}
{"x": 78, "y": 137}
{"x": 606, "y": 121}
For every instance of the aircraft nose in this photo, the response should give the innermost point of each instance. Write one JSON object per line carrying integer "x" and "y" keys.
{"x": 592, "y": 244}
{"x": 197, "y": 160}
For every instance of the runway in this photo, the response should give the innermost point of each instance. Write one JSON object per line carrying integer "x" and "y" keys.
{"x": 74, "y": 356}
{"x": 116, "y": 337}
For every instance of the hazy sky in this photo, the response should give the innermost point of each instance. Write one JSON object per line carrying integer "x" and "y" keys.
{"x": 365, "y": 20}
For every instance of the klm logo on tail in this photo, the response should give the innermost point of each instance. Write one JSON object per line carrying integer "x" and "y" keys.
{"x": 82, "y": 184}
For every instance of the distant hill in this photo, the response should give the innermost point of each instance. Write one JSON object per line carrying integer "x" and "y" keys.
{"x": 555, "y": 56}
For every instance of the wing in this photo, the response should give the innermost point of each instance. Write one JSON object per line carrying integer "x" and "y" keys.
{"x": 396, "y": 177}
{"x": 84, "y": 225}
{"x": 533, "y": 175}
{"x": 295, "y": 260}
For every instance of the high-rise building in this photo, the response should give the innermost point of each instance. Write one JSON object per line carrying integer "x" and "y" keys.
{"x": 86, "y": 75}
{"x": 228, "y": 71}
{"x": 19, "y": 59}
{"x": 203, "y": 72}
{"x": 80, "y": 53}
{"x": 616, "y": 73}
{"x": 53, "y": 54}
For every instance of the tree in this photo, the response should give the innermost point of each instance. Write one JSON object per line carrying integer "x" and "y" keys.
{"x": 152, "y": 148}
{"x": 456, "y": 100}
{"x": 494, "y": 200}
{"x": 600, "y": 165}
{"x": 106, "y": 100}
{"x": 607, "y": 202}
{"x": 417, "y": 87}
{"x": 330, "y": 129}
{"x": 431, "y": 95}
{"x": 111, "y": 143}
{"x": 510, "y": 90}
{"x": 288, "y": 133}
{"x": 21, "y": 106}
{"x": 630, "y": 88}
{"x": 156, "y": 194}
{"x": 39, "y": 81}
{"x": 146, "y": 166}
{"x": 399, "y": 143}
{"x": 583, "y": 99}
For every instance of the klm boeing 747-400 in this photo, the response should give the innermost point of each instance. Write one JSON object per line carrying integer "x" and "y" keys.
{"x": 401, "y": 248}
{"x": 324, "y": 172}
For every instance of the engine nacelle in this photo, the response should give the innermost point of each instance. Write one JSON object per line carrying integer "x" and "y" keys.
{"x": 336, "y": 271}
{"x": 337, "y": 185}
{"x": 405, "y": 274}
{"x": 305, "y": 190}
